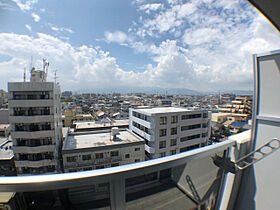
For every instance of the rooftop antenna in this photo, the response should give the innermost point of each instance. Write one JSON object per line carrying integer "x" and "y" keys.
{"x": 55, "y": 76}
{"x": 31, "y": 63}
{"x": 46, "y": 66}
{"x": 24, "y": 74}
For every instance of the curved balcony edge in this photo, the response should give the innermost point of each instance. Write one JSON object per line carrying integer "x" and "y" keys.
{"x": 73, "y": 179}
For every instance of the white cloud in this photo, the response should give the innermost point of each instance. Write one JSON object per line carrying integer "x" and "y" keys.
{"x": 167, "y": 19}
{"x": 218, "y": 37}
{"x": 35, "y": 17}
{"x": 116, "y": 36}
{"x": 86, "y": 67}
{"x": 151, "y": 7}
{"x": 25, "y": 5}
{"x": 200, "y": 36}
{"x": 60, "y": 29}
{"x": 6, "y": 5}
{"x": 212, "y": 50}
{"x": 28, "y": 27}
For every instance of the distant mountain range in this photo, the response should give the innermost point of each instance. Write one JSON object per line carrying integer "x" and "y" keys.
{"x": 147, "y": 90}
{"x": 157, "y": 90}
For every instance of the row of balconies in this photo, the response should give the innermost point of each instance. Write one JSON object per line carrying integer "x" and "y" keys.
{"x": 30, "y": 96}
{"x": 143, "y": 134}
{"x": 39, "y": 170}
{"x": 32, "y": 112}
{"x": 35, "y": 164}
{"x": 35, "y": 156}
{"x": 31, "y": 103}
{"x": 33, "y": 135}
{"x": 34, "y": 149}
{"x": 33, "y": 127}
{"x": 93, "y": 161}
{"x": 33, "y": 119}
{"x": 150, "y": 150}
{"x": 141, "y": 116}
{"x": 141, "y": 127}
{"x": 34, "y": 142}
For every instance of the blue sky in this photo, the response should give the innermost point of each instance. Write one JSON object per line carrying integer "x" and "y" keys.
{"x": 205, "y": 45}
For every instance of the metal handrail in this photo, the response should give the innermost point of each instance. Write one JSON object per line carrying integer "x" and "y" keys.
{"x": 73, "y": 179}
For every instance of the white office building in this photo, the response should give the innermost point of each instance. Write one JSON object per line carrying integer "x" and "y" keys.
{"x": 170, "y": 130}
{"x": 35, "y": 120}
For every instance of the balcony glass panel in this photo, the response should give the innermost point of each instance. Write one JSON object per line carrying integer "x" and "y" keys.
{"x": 187, "y": 180}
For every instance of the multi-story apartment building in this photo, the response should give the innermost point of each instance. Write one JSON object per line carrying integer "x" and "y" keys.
{"x": 170, "y": 130}
{"x": 35, "y": 120}
{"x": 240, "y": 107}
{"x": 100, "y": 149}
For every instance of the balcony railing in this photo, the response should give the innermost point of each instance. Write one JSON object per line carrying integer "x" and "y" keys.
{"x": 32, "y": 113}
{"x": 31, "y": 97}
{"x": 186, "y": 180}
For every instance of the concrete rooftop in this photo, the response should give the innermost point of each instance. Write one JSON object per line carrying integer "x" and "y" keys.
{"x": 98, "y": 139}
{"x": 89, "y": 125}
{"x": 162, "y": 110}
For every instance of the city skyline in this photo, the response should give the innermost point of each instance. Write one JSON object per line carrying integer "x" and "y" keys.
{"x": 200, "y": 45}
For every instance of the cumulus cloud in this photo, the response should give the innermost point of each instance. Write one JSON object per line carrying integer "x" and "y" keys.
{"x": 217, "y": 37}
{"x": 166, "y": 20}
{"x": 151, "y": 7}
{"x": 28, "y": 27}
{"x": 116, "y": 36}
{"x": 60, "y": 29}
{"x": 192, "y": 45}
{"x": 25, "y": 5}
{"x": 35, "y": 17}
{"x": 86, "y": 67}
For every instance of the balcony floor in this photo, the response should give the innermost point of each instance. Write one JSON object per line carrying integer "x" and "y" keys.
{"x": 164, "y": 196}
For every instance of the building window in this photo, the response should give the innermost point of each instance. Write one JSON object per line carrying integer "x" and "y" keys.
{"x": 87, "y": 169}
{"x": 190, "y": 137}
{"x": 114, "y": 153}
{"x": 162, "y": 154}
{"x": 173, "y": 131}
{"x": 204, "y": 134}
{"x": 205, "y": 115}
{"x": 190, "y": 116}
{"x": 99, "y": 167}
{"x": 163, "y": 120}
{"x": 174, "y": 119}
{"x": 137, "y": 160}
{"x": 162, "y": 132}
{"x": 127, "y": 156}
{"x": 173, "y": 142}
{"x": 99, "y": 156}
{"x": 162, "y": 144}
{"x": 173, "y": 152}
{"x": 190, "y": 127}
{"x": 86, "y": 157}
{"x": 137, "y": 149}
{"x": 189, "y": 148}
{"x": 114, "y": 164}
{"x": 72, "y": 159}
